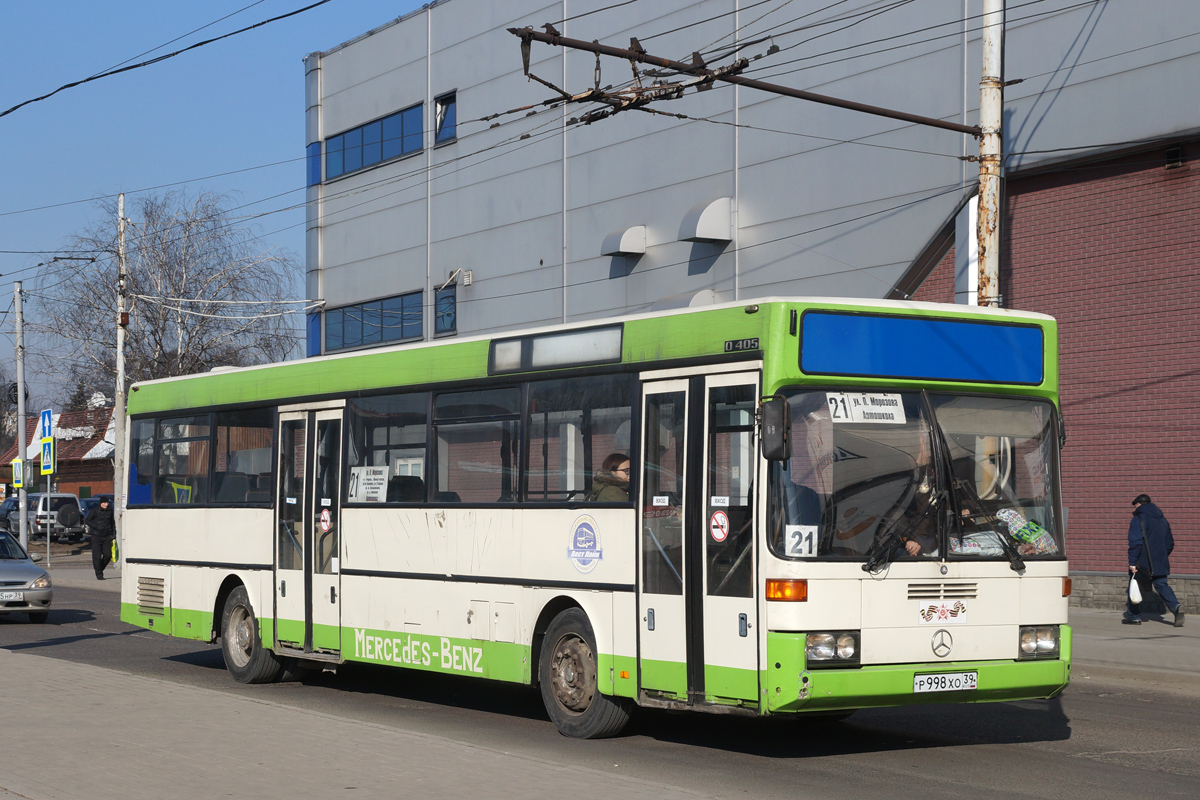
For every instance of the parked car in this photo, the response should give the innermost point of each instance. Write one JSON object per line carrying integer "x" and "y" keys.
{"x": 24, "y": 586}
{"x": 86, "y": 504}
{"x": 57, "y": 515}
{"x": 10, "y": 504}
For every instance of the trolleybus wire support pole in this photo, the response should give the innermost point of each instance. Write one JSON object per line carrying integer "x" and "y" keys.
{"x": 991, "y": 116}
{"x": 23, "y": 499}
{"x": 699, "y": 68}
{"x": 119, "y": 484}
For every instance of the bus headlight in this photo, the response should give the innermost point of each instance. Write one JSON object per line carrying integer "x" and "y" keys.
{"x": 831, "y": 649}
{"x": 1039, "y": 641}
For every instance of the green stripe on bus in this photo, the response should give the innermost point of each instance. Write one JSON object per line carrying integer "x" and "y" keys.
{"x": 669, "y": 677}
{"x": 502, "y": 661}
{"x": 610, "y": 679}
{"x": 730, "y": 685}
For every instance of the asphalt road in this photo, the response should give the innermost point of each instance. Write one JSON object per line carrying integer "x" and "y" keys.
{"x": 1099, "y": 740}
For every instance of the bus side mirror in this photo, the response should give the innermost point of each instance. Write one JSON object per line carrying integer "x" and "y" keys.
{"x": 776, "y": 429}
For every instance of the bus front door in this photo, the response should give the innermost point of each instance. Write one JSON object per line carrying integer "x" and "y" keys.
{"x": 698, "y": 625}
{"x": 307, "y": 584}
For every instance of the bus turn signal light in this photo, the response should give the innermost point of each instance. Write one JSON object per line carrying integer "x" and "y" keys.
{"x": 795, "y": 591}
{"x": 1066, "y": 587}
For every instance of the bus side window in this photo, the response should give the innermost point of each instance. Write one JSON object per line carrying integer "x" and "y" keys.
{"x": 574, "y": 424}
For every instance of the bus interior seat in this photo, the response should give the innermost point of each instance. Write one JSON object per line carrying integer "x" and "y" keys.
{"x": 406, "y": 489}
{"x": 233, "y": 488}
{"x": 446, "y": 497}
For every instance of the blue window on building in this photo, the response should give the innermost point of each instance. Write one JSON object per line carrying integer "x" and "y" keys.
{"x": 445, "y": 318}
{"x": 312, "y": 337}
{"x": 446, "y": 109}
{"x": 391, "y": 319}
{"x": 313, "y": 152}
{"x": 394, "y": 136}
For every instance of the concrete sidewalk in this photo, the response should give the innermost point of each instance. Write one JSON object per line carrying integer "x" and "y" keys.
{"x": 134, "y": 737}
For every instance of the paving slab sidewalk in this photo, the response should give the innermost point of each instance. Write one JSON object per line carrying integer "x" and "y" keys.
{"x": 135, "y": 738}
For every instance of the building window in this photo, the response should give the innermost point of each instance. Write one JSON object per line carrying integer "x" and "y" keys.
{"x": 313, "y": 152}
{"x": 446, "y": 123}
{"x": 397, "y": 135}
{"x": 312, "y": 337}
{"x": 445, "y": 317}
{"x": 388, "y": 320}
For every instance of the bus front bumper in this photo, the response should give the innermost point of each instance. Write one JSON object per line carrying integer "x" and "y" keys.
{"x": 791, "y": 687}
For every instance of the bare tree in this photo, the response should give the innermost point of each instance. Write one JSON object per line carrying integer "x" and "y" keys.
{"x": 202, "y": 294}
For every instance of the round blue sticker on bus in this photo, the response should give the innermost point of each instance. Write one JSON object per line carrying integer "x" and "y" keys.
{"x": 585, "y": 551}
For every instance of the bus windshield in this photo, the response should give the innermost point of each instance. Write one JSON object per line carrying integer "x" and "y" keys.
{"x": 871, "y": 478}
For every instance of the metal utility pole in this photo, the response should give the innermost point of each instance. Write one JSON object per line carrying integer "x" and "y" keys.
{"x": 119, "y": 483}
{"x": 991, "y": 116}
{"x": 21, "y": 451}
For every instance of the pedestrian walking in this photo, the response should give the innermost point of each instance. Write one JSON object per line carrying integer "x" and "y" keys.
{"x": 103, "y": 528}
{"x": 1150, "y": 546}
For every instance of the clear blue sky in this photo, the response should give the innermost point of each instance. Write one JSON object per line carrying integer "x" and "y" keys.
{"x": 231, "y": 105}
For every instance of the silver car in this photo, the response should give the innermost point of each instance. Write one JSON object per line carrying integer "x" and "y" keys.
{"x": 63, "y": 520}
{"x": 25, "y": 587}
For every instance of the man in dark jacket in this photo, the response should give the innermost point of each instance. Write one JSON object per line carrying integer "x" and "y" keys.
{"x": 103, "y": 528}
{"x": 1150, "y": 546}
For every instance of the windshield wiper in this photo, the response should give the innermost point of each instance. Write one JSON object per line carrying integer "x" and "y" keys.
{"x": 1007, "y": 544}
{"x": 889, "y": 542}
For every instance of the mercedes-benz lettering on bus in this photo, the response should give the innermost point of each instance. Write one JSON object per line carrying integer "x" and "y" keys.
{"x": 788, "y": 507}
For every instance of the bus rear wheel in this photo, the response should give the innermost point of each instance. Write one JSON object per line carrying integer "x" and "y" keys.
{"x": 245, "y": 657}
{"x": 568, "y": 674}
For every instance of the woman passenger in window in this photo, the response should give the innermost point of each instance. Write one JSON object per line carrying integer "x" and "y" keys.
{"x": 611, "y": 483}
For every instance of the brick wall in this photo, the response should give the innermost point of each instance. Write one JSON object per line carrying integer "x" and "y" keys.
{"x": 96, "y": 474}
{"x": 1110, "y": 250}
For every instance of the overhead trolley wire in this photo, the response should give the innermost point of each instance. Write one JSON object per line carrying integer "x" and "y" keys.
{"x": 158, "y": 59}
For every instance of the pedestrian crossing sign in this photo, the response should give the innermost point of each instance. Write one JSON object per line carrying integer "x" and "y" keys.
{"x": 47, "y": 456}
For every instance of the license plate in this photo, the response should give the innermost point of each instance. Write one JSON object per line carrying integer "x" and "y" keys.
{"x": 12, "y": 596}
{"x": 946, "y": 682}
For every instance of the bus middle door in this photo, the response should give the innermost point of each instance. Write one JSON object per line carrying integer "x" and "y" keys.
{"x": 307, "y": 583}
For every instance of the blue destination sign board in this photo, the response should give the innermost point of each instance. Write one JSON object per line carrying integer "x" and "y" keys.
{"x": 865, "y": 345}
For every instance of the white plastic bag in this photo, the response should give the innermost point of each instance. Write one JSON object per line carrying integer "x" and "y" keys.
{"x": 1135, "y": 592}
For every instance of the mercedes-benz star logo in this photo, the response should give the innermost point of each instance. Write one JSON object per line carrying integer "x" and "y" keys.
{"x": 943, "y": 643}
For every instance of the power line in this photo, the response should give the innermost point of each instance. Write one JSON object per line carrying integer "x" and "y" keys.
{"x": 597, "y": 11}
{"x": 184, "y": 36}
{"x": 161, "y": 58}
{"x": 952, "y": 35}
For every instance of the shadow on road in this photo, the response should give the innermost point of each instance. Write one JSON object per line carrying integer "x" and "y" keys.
{"x": 866, "y": 731}
{"x": 58, "y": 616}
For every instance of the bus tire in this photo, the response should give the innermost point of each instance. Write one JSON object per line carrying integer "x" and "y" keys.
{"x": 245, "y": 657}
{"x": 567, "y": 673}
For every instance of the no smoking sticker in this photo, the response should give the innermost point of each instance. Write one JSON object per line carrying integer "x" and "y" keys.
{"x": 718, "y": 526}
{"x": 326, "y": 520}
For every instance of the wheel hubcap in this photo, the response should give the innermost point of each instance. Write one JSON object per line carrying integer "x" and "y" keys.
{"x": 573, "y": 674}
{"x": 241, "y": 636}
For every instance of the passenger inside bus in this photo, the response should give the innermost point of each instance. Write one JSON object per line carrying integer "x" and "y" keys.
{"x": 611, "y": 483}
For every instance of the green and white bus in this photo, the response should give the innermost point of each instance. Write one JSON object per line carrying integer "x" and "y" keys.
{"x": 834, "y": 504}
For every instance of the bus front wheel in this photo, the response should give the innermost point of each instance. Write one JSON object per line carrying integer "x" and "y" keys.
{"x": 245, "y": 657}
{"x": 568, "y": 675}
